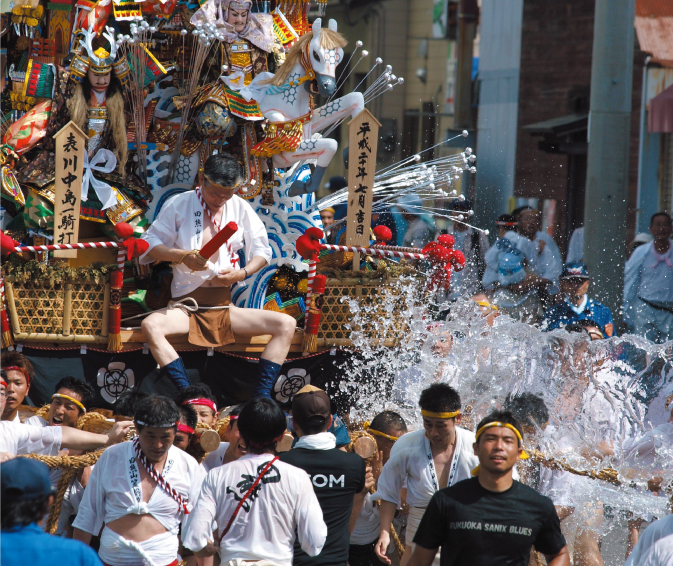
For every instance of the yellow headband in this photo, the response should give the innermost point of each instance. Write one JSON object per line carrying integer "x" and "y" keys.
{"x": 68, "y": 398}
{"x": 379, "y": 433}
{"x": 440, "y": 415}
{"x": 524, "y": 454}
{"x": 487, "y": 304}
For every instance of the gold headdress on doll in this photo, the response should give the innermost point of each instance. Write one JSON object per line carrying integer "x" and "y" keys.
{"x": 100, "y": 61}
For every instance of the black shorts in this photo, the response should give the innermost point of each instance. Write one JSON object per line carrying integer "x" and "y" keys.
{"x": 363, "y": 555}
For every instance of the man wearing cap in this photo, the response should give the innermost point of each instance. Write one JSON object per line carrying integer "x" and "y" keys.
{"x": 491, "y": 518}
{"x": 336, "y": 476}
{"x": 648, "y": 284}
{"x": 474, "y": 245}
{"x": 19, "y": 373}
{"x": 577, "y": 306}
{"x": 27, "y": 496}
{"x": 141, "y": 491}
{"x": 437, "y": 456}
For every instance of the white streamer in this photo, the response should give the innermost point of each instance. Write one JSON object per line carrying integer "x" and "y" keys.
{"x": 103, "y": 162}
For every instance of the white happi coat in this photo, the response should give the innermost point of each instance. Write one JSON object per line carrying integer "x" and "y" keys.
{"x": 409, "y": 461}
{"x": 265, "y": 526}
{"x": 114, "y": 490}
{"x": 180, "y": 225}
{"x": 18, "y": 438}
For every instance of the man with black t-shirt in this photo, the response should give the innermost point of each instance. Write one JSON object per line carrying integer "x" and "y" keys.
{"x": 491, "y": 519}
{"x": 336, "y": 476}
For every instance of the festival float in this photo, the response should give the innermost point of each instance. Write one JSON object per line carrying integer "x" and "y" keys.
{"x": 115, "y": 106}
{"x": 110, "y": 109}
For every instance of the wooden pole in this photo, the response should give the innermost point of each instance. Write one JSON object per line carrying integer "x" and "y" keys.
{"x": 70, "y": 151}
{"x": 363, "y": 140}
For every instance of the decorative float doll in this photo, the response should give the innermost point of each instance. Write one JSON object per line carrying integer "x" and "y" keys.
{"x": 250, "y": 47}
{"x": 91, "y": 96}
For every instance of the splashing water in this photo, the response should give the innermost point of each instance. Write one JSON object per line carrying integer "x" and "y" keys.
{"x": 606, "y": 399}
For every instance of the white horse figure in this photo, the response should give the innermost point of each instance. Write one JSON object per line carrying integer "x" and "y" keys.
{"x": 285, "y": 100}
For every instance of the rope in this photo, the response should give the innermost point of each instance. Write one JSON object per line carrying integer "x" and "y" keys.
{"x": 70, "y": 466}
{"x": 180, "y": 305}
{"x": 606, "y": 474}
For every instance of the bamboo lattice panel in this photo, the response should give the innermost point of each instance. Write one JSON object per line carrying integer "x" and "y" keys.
{"x": 87, "y": 308}
{"x": 376, "y": 302}
{"x": 39, "y": 307}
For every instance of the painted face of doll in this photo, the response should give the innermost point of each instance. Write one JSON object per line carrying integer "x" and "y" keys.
{"x": 238, "y": 18}
{"x": 99, "y": 83}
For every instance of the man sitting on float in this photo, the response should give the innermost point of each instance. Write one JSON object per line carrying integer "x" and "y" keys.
{"x": 184, "y": 225}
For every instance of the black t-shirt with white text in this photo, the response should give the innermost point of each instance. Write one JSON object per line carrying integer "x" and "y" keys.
{"x": 477, "y": 527}
{"x": 336, "y": 476}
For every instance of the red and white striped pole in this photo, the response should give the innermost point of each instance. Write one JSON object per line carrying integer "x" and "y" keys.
{"x": 312, "y": 268}
{"x": 53, "y": 247}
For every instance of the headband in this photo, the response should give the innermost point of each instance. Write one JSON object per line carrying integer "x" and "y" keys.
{"x": 524, "y": 454}
{"x": 501, "y": 223}
{"x": 328, "y": 209}
{"x": 3, "y": 382}
{"x": 379, "y": 433}
{"x": 440, "y": 415}
{"x": 233, "y": 418}
{"x": 17, "y": 368}
{"x": 163, "y": 425}
{"x": 487, "y": 304}
{"x": 206, "y": 402}
{"x": 68, "y": 398}
{"x": 185, "y": 428}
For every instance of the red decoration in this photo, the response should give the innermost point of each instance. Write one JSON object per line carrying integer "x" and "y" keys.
{"x": 7, "y": 245}
{"x": 123, "y": 230}
{"x": 382, "y": 233}
{"x": 443, "y": 258}
{"x": 308, "y": 245}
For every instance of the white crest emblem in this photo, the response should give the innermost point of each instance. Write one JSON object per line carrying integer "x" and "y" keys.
{"x": 286, "y": 386}
{"x": 114, "y": 381}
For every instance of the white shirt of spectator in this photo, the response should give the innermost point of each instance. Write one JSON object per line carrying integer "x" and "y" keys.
{"x": 265, "y": 526}
{"x": 180, "y": 225}
{"x": 659, "y": 530}
{"x": 409, "y": 461}
{"x": 656, "y": 278}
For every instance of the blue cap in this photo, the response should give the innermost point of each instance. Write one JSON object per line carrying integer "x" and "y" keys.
{"x": 575, "y": 270}
{"x": 510, "y": 268}
{"x": 410, "y": 203}
{"x": 23, "y": 478}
